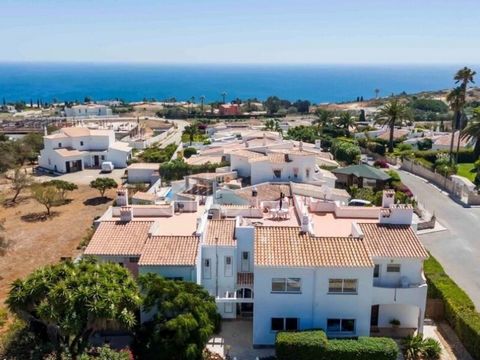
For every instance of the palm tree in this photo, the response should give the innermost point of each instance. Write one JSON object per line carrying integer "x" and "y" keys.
{"x": 191, "y": 130}
{"x": 472, "y": 131}
{"x": 345, "y": 121}
{"x": 202, "y": 100}
{"x": 324, "y": 118}
{"x": 377, "y": 91}
{"x": 224, "y": 94}
{"x": 456, "y": 100}
{"x": 463, "y": 76}
{"x": 390, "y": 114}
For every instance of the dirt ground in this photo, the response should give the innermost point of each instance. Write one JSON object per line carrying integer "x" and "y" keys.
{"x": 36, "y": 242}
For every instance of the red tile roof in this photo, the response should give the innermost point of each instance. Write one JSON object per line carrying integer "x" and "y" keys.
{"x": 392, "y": 241}
{"x": 224, "y": 230}
{"x": 170, "y": 251}
{"x": 119, "y": 238}
{"x": 278, "y": 246}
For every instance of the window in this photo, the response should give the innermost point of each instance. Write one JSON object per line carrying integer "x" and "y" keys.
{"x": 228, "y": 266}
{"x": 102, "y": 157}
{"x": 341, "y": 325}
{"x": 59, "y": 144}
{"x": 207, "y": 270}
{"x": 277, "y": 174}
{"x": 342, "y": 286}
{"x": 393, "y": 268}
{"x": 81, "y": 143}
{"x": 286, "y": 285}
{"x": 376, "y": 271}
{"x": 245, "y": 265}
{"x": 282, "y": 324}
{"x": 133, "y": 259}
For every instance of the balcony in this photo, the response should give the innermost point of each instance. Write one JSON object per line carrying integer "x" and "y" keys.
{"x": 232, "y": 297}
{"x": 244, "y": 279}
{"x": 414, "y": 294}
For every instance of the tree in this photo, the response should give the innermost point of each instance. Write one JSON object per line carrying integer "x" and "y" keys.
{"x": 361, "y": 117}
{"x": 272, "y": 104}
{"x": 72, "y": 301}
{"x": 345, "y": 121}
{"x": 20, "y": 181}
{"x": 62, "y": 186}
{"x": 456, "y": 100}
{"x": 302, "y": 106}
{"x": 185, "y": 318}
{"x": 191, "y": 130}
{"x": 103, "y": 184}
{"x": 377, "y": 92}
{"x": 324, "y": 119}
{"x": 46, "y": 195}
{"x": 390, "y": 114}
{"x": 472, "y": 131}
{"x": 188, "y": 152}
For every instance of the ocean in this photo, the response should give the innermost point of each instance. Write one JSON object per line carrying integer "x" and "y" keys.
{"x": 134, "y": 82}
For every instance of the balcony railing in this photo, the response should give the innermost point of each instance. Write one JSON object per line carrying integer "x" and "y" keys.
{"x": 414, "y": 294}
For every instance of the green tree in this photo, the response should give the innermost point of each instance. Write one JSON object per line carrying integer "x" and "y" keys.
{"x": 191, "y": 130}
{"x": 324, "y": 119}
{"x": 62, "y": 186}
{"x": 272, "y": 104}
{"x": 46, "y": 195}
{"x": 346, "y": 121}
{"x": 103, "y": 184}
{"x": 456, "y": 100}
{"x": 72, "y": 301}
{"x": 391, "y": 114}
{"x": 188, "y": 152}
{"x": 185, "y": 318}
{"x": 20, "y": 181}
{"x": 472, "y": 131}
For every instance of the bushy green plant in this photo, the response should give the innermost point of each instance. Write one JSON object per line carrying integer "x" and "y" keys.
{"x": 313, "y": 345}
{"x": 188, "y": 152}
{"x": 444, "y": 167}
{"x": 416, "y": 347}
{"x": 345, "y": 150}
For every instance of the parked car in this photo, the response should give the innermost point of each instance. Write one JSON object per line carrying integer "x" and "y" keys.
{"x": 107, "y": 167}
{"x": 359, "y": 202}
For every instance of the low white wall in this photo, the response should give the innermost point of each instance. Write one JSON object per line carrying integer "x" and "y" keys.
{"x": 147, "y": 211}
{"x": 244, "y": 212}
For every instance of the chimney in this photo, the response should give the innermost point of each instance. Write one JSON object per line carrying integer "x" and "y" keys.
{"x": 306, "y": 226}
{"x": 126, "y": 213}
{"x": 300, "y": 145}
{"x": 264, "y": 140}
{"x": 388, "y": 198}
{"x": 122, "y": 197}
{"x": 397, "y": 214}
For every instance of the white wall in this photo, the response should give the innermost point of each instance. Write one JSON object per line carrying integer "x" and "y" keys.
{"x": 241, "y": 165}
{"x": 225, "y": 283}
{"x": 313, "y": 306}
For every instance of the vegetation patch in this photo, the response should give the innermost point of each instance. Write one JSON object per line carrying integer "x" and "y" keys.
{"x": 313, "y": 345}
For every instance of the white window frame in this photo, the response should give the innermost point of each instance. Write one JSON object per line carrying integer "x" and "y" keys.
{"x": 340, "y": 331}
{"x": 207, "y": 270}
{"x": 285, "y": 282}
{"x": 389, "y": 266}
{"x": 342, "y": 289}
{"x": 228, "y": 268}
{"x": 245, "y": 263}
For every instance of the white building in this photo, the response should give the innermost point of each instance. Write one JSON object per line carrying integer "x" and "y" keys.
{"x": 88, "y": 110}
{"x": 289, "y": 262}
{"x": 76, "y": 148}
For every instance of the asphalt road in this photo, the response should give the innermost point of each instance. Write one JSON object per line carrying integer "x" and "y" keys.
{"x": 457, "y": 248}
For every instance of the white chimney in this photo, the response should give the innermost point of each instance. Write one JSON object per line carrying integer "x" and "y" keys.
{"x": 388, "y": 198}
{"x": 122, "y": 197}
{"x": 306, "y": 226}
{"x": 126, "y": 213}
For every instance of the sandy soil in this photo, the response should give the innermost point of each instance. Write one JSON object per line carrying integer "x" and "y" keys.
{"x": 34, "y": 242}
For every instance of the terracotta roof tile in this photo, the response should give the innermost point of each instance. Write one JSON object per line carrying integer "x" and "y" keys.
{"x": 392, "y": 241}
{"x": 119, "y": 238}
{"x": 287, "y": 247}
{"x": 170, "y": 251}
{"x": 224, "y": 230}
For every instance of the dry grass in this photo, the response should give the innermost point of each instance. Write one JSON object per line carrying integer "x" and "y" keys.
{"x": 38, "y": 242}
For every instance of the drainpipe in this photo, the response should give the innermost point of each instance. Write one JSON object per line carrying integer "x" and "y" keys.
{"x": 216, "y": 267}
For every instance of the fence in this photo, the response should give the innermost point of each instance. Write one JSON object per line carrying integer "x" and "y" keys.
{"x": 460, "y": 192}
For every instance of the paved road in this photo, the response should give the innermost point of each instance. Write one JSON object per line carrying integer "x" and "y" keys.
{"x": 458, "y": 248}
{"x": 176, "y": 137}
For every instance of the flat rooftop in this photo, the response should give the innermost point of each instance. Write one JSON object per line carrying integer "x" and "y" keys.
{"x": 327, "y": 224}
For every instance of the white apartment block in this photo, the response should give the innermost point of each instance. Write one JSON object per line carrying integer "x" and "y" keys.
{"x": 289, "y": 258}
{"x": 88, "y": 110}
{"x": 76, "y": 148}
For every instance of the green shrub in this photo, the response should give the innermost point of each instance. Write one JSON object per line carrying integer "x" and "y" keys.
{"x": 459, "y": 308}
{"x": 313, "y": 345}
{"x": 300, "y": 345}
{"x": 345, "y": 150}
{"x": 3, "y": 316}
{"x": 188, "y": 152}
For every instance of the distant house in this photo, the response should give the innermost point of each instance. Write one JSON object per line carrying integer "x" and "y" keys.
{"x": 89, "y": 110}
{"x": 229, "y": 110}
{"x": 73, "y": 149}
{"x": 443, "y": 142}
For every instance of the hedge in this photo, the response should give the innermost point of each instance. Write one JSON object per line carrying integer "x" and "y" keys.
{"x": 464, "y": 156}
{"x": 459, "y": 308}
{"x": 313, "y": 345}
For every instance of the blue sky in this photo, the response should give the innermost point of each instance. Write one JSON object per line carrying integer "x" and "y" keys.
{"x": 245, "y": 31}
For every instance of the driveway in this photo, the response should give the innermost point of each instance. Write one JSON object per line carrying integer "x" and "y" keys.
{"x": 457, "y": 248}
{"x": 85, "y": 176}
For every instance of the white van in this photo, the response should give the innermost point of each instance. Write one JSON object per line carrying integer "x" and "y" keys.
{"x": 107, "y": 167}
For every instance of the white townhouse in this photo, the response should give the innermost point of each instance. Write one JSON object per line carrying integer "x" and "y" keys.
{"x": 76, "y": 148}
{"x": 88, "y": 110}
{"x": 290, "y": 264}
